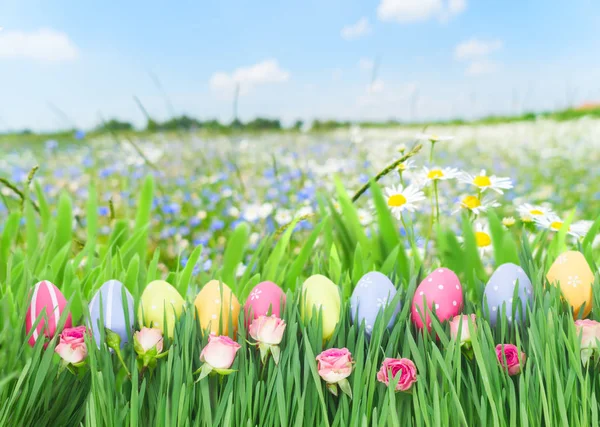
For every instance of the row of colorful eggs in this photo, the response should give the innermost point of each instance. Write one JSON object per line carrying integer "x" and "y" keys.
{"x": 218, "y": 308}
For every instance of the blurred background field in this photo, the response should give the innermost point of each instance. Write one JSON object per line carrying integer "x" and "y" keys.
{"x": 207, "y": 184}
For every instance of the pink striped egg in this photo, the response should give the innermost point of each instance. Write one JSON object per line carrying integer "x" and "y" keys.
{"x": 46, "y": 298}
{"x": 442, "y": 290}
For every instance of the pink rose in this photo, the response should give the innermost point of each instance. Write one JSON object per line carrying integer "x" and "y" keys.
{"x": 219, "y": 352}
{"x": 407, "y": 369}
{"x": 465, "y": 335}
{"x": 335, "y": 365}
{"x": 147, "y": 339}
{"x": 72, "y": 348}
{"x": 589, "y": 330}
{"x": 267, "y": 330}
{"x": 515, "y": 359}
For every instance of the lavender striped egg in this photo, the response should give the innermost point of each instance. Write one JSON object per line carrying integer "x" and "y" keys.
{"x": 373, "y": 292}
{"x": 113, "y": 309}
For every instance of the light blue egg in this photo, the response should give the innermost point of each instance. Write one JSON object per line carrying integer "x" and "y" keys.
{"x": 373, "y": 292}
{"x": 500, "y": 289}
{"x": 114, "y": 312}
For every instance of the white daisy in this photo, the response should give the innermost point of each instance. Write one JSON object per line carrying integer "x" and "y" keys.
{"x": 483, "y": 181}
{"x": 477, "y": 205}
{"x": 402, "y": 198}
{"x": 529, "y": 212}
{"x": 483, "y": 238}
{"x": 365, "y": 217}
{"x": 406, "y": 165}
{"x": 283, "y": 216}
{"x": 433, "y": 137}
{"x": 437, "y": 174}
{"x": 554, "y": 223}
{"x": 508, "y": 221}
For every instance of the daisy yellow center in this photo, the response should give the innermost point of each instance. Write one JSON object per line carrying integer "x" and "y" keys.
{"x": 536, "y": 212}
{"x": 401, "y": 167}
{"x": 482, "y": 181}
{"x": 556, "y": 225}
{"x": 483, "y": 239}
{"x": 471, "y": 202}
{"x": 396, "y": 200}
{"x": 435, "y": 174}
{"x": 434, "y": 137}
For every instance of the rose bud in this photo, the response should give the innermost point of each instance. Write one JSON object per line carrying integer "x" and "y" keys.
{"x": 218, "y": 355}
{"x": 510, "y": 358}
{"x": 459, "y": 328}
{"x": 390, "y": 368}
{"x": 335, "y": 365}
{"x": 589, "y": 330}
{"x": 268, "y": 332}
{"x": 148, "y": 339}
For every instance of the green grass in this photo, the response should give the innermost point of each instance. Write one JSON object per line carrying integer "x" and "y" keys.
{"x": 553, "y": 389}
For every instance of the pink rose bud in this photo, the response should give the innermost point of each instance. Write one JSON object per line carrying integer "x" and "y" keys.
{"x": 589, "y": 330}
{"x": 267, "y": 330}
{"x": 220, "y": 351}
{"x": 510, "y": 358}
{"x": 335, "y": 365}
{"x": 148, "y": 338}
{"x": 72, "y": 348}
{"x": 390, "y": 369}
{"x": 463, "y": 333}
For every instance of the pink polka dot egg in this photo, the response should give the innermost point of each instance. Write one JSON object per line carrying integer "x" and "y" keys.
{"x": 264, "y": 298}
{"x": 440, "y": 291}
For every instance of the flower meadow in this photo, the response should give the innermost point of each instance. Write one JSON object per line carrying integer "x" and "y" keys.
{"x": 359, "y": 277}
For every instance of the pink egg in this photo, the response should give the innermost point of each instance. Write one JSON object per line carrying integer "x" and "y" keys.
{"x": 264, "y": 297}
{"x": 442, "y": 290}
{"x": 46, "y": 298}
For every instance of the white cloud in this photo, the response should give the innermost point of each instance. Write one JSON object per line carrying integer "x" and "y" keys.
{"x": 262, "y": 73}
{"x": 44, "y": 44}
{"x": 376, "y": 86}
{"x": 366, "y": 64}
{"x": 477, "y": 68}
{"x": 354, "y": 31}
{"x": 476, "y": 48}
{"x": 419, "y": 10}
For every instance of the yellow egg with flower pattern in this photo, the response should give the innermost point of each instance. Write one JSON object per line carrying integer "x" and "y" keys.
{"x": 574, "y": 277}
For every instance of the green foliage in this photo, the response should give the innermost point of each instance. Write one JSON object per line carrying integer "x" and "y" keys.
{"x": 553, "y": 389}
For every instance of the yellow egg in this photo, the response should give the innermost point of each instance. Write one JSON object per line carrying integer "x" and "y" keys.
{"x": 160, "y": 300}
{"x": 574, "y": 278}
{"x": 321, "y": 293}
{"x": 216, "y": 304}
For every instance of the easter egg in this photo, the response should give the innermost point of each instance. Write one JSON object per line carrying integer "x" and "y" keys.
{"x": 500, "y": 290}
{"x": 573, "y": 275}
{"x": 373, "y": 292}
{"x": 46, "y": 298}
{"x": 440, "y": 290}
{"x": 108, "y": 301}
{"x": 264, "y": 298}
{"x": 320, "y": 293}
{"x": 160, "y": 301}
{"x": 217, "y": 305}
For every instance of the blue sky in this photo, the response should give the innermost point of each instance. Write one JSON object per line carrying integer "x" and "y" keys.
{"x": 294, "y": 59}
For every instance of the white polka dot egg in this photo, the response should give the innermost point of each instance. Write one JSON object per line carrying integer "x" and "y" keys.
{"x": 160, "y": 301}
{"x": 441, "y": 290}
{"x": 500, "y": 291}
